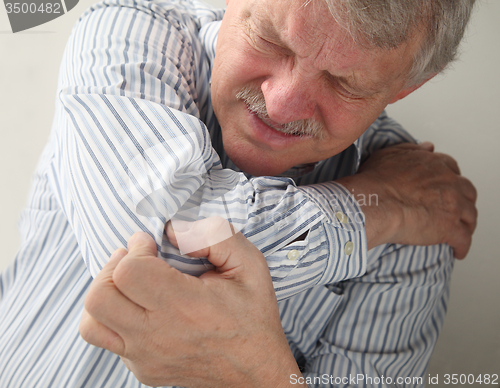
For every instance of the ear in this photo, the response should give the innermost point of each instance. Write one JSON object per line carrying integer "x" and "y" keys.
{"x": 403, "y": 93}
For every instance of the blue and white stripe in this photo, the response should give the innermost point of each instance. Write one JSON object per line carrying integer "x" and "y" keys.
{"x": 133, "y": 112}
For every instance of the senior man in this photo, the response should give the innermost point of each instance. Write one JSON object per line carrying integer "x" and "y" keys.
{"x": 296, "y": 90}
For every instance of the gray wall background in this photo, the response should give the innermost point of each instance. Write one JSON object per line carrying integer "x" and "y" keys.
{"x": 459, "y": 112}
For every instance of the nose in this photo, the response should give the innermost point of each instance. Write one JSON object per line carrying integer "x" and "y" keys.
{"x": 289, "y": 97}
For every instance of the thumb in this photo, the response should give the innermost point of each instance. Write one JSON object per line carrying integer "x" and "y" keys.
{"x": 114, "y": 259}
{"x": 237, "y": 258}
{"x": 214, "y": 238}
{"x": 194, "y": 238}
{"x": 142, "y": 244}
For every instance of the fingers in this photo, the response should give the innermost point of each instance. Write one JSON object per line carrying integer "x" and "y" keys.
{"x": 447, "y": 159}
{"x": 427, "y": 145}
{"x": 468, "y": 189}
{"x": 169, "y": 230}
{"x": 105, "y": 303}
{"x": 462, "y": 240}
{"x": 95, "y": 333}
{"x": 114, "y": 259}
{"x": 466, "y": 204}
{"x": 146, "y": 281}
{"x": 450, "y": 162}
{"x": 139, "y": 276}
{"x": 132, "y": 283}
{"x": 234, "y": 256}
{"x": 195, "y": 237}
{"x": 235, "y": 252}
{"x": 142, "y": 244}
{"x": 466, "y": 194}
{"x": 469, "y": 216}
{"x": 218, "y": 235}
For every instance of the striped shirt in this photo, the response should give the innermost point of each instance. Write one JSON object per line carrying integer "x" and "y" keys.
{"x": 135, "y": 143}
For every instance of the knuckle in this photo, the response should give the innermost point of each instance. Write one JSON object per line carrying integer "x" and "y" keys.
{"x": 124, "y": 273}
{"x": 463, "y": 241}
{"x": 451, "y": 200}
{"x": 93, "y": 300}
{"x": 468, "y": 185}
{"x": 449, "y": 159}
{"x": 85, "y": 333}
{"x": 404, "y": 146}
{"x": 473, "y": 191}
{"x": 475, "y": 214}
{"x": 448, "y": 162}
{"x": 85, "y": 330}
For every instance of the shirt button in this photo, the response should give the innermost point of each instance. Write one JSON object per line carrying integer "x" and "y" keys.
{"x": 293, "y": 255}
{"x": 348, "y": 248}
{"x": 342, "y": 217}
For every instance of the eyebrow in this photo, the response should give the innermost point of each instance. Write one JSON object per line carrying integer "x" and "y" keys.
{"x": 264, "y": 25}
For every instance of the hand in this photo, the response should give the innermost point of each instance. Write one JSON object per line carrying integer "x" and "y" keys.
{"x": 422, "y": 198}
{"x": 220, "y": 330}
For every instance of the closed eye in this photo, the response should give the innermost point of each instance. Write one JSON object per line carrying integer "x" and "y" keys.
{"x": 343, "y": 90}
{"x": 263, "y": 42}
{"x": 347, "y": 93}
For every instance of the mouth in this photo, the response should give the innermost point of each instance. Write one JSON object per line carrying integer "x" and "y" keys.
{"x": 256, "y": 106}
{"x": 271, "y": 135}
{"x": 279, "y": 127}
{"x": 285, "y": 129}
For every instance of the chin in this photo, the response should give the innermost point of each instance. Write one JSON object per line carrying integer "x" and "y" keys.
{"x": 257, "y": 169}
{"x": 255, "y": 157}
{"x": 252, "y": 163}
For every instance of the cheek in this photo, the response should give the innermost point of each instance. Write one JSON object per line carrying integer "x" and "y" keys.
{"x": 341, "y": 122}
{"x": 229, "y": 76}
{"x": 239, "y": 63}
{"x": 241, "y": 68}
{"x": 346, "y": 121}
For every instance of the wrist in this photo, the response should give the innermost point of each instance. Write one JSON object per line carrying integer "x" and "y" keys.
{"x": 382, "y": 217}
{"x": 278, "y": 368}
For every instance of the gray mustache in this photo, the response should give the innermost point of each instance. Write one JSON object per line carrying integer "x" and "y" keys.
{"x": 257, "y": 104}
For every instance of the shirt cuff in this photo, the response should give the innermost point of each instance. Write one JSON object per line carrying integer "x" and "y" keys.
{"x": 344, "y": 226}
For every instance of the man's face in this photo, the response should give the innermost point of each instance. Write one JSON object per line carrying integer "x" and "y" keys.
{"x": 282, "y": 62}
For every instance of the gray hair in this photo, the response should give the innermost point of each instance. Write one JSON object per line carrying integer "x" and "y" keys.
{"x": 388, "y": 23}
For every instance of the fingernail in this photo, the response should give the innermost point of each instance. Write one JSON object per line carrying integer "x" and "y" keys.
{"x": 426, "y": 144}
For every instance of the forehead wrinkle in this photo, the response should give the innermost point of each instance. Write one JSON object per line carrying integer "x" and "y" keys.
{"x": 321, "y": 45}
{"x": 282, "y": 28}
{"x": 268, "y": 23}
{"x": 334, "y": 47}
{"x": 323, "y": 41}
{"x": 365, "y": 68}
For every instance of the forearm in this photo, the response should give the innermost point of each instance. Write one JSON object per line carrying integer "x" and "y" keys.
{"x": 420, "y": 198}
